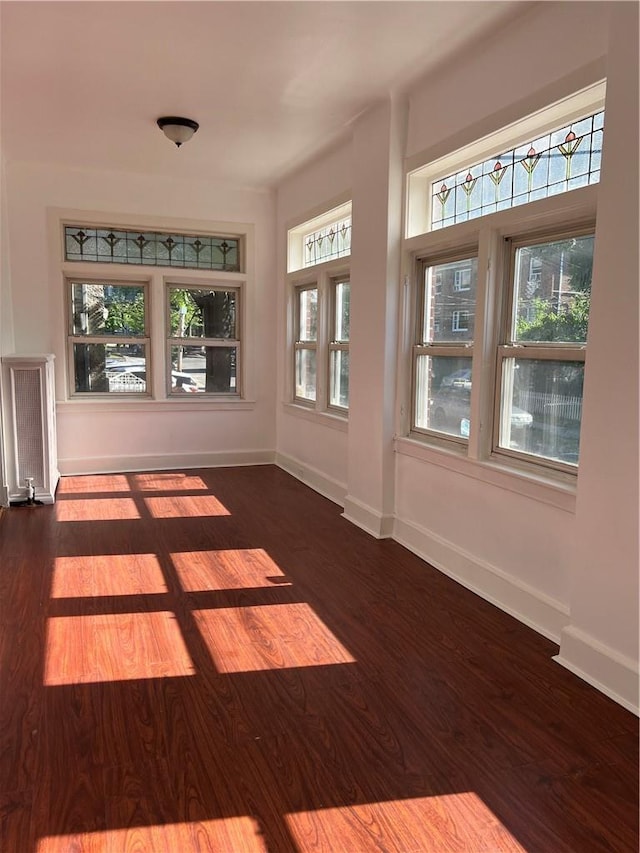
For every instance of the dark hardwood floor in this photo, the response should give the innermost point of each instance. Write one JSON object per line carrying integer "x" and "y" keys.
{"x": 215, "y": 660}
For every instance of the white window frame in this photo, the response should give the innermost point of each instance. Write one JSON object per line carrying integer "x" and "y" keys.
{"x": 462, "y": 279}
{"x": 420, "y": 262}
{"x": 126, "y": 340}
{"x": 156, "y": 395}
{"x": 509, "y": 349}
{"x": 226, "y": 343}
{"x": 304, "y": 345}
{"x": 456, "y": 317}
{"x": 573, "y": 211}
{"x": 335, "y": 344}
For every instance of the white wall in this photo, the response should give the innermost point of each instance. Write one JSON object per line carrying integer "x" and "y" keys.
{"x": 570, "y": 574}
{"x": 601, "y": 643}
{"x": 522, "y": 545}
{"x": 310, "y": 446}
{"x": 94, "y": 437}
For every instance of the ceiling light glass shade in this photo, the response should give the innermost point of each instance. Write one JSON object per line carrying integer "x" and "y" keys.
{"x": 178, "y": 129}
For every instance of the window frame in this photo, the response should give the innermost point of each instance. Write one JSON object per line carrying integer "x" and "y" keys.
{"x": 74, "y": 339}
{"x": 336, "y": 344}
{"x": 300, "y": 345}
{"x": 155, "y": 397}
{"x": 572, "y": 213}
{"x": 226, "y": 343}
{"x": 510, "y": 348}
{"x": 434, "y": 349}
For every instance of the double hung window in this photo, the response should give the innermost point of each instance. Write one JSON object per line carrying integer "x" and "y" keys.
{"x": 108, "y": 333}
{"x": 204, "y": 339}
{"x": 443, "y": 353}
{"x": 500, "y": 328}
{"x": 306, "y": 307}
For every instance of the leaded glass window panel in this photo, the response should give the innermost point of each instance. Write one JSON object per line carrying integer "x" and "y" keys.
{"x": 151, "y": 248}
{"x": 331, "y": 241}
{"x": 553, "y": 163}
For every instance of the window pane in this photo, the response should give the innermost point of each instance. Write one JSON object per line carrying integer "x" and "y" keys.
{"x": 342, "y": 309}
{"x": 553, "y": 291}
{"x": 107, "y": 309}
{"x": 306, "y": 374}
{"x": 200, "y": 313}
{"x": 339, "y": 379}
{"x": 443, "y": 394}
{"x": 211, "y": 370}
{"x": 308, "y": 314}
{"x": 109, "y": 368}
{"x": 449, "y": 301}
{"x": 542, "y": 408}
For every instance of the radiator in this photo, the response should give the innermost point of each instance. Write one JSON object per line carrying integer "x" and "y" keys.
{"x": 30, "y": 434}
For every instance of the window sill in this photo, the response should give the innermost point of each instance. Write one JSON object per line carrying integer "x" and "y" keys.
{"x": 326, "y": 419}
{"x": 559, "y": 493}
{"x": 78, "y": 406}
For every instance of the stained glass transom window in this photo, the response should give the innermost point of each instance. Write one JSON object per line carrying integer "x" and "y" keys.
{"x": 554, "y": 163}
{"x": 151, "y": 248}
{"x": 331, "y": 241}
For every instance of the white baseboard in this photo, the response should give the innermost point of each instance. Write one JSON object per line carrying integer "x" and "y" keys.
{"x": 367, "y": 518}
{"x": 604, "y": 668}
{"x": 544, "y": 614}
{"x": 316, "y": 480}
{"x": 164, "y": 462}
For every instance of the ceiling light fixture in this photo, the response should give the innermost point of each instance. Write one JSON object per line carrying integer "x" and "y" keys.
{"x": 178, "y": 129}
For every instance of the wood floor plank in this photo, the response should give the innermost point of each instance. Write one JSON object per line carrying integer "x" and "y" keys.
{"x": 216, "y": 660}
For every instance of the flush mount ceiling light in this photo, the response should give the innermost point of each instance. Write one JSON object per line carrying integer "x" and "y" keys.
{"x": 178, "y": 129}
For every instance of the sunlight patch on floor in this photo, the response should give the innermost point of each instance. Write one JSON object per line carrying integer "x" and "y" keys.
{"x": 113, "y": 574}
{"x": 93, "y": 484}
{"x": 185, "y": 506}
{"x": 114, "y": 647}
{"x": 278, "y": 636}
{"x": 96, "y": 509}
{"x": 445, "y": 822}
{"x": 227, "y": 834}
{"x": 169, "y": 482}
{"x": 246, "y": 568}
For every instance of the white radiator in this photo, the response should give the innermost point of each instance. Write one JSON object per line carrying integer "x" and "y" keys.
{"x": 31, "y": 452}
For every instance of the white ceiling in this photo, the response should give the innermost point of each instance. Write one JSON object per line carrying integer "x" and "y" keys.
{"x": 271, "y": 83}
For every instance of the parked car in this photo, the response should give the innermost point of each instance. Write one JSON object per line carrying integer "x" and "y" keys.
{"x": 449, "y": 410}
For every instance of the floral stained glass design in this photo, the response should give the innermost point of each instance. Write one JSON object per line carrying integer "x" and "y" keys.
{"x": 563, "y": 160}
{"x": 325, "y": 244}
{"x": 151, "y": 248}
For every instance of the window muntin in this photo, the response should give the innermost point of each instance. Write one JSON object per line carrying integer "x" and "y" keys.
{"x": 442, "y": 354}
{"x": 108, "y": 336}
{"x": 340, "y": 289}
{"x": 151, "y": 248}
{"x": 306, "y": 337}
{"x": 203, "y": 339}
{"x": 556, "y": 162}
{"x": 541, "y": 360}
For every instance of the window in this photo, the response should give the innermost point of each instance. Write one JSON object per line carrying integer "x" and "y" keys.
{"x": 498, "y": 360}
{"x": 339, "y": 343}
{"x": 159, "y": 332}
{"x": 108, "y": 337}
{"x": 462, "y": 279}
{"x": 541, "y": 358}
{"x": 320, "y": 312}
{"x": 441, "y": 359}
{"x": 323, "y": 238}
{"x": 204, "y": 340}
{"x": 305, "y": 368}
